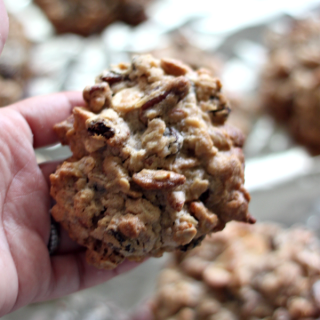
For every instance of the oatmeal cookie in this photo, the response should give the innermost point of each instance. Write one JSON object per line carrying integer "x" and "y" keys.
{"x": 14, "y": 64}
{"x": 181, "y": 48}
{"x": 291, "y": 81}
{"x": 154, "y": 167}
{"x": 87, "y": 17}
{"x": 244, "y": 273}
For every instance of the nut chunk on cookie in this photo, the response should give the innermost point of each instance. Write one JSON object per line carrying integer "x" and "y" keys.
{"x": 154, "y": 166}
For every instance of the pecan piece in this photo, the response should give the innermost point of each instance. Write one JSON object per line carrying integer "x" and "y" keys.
{"x": 101, "y": 127}
{"x": 207, "y": 220}
{"x": 177, "y": 86}
{"x": 127, "y": 99}
{"x": 131, "y": 226}
{"x": 218, "y": 107}
{"x": 216, "y": 277}
{"x": 97, "y": 96}
{"x": 111, "y": 77}
{"x": 176, "y": 200}
{"x": 158, "y": 179}
{"x": 174, "y": 67}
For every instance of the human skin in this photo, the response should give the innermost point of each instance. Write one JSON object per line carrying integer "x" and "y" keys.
{"x": 4, "y": 25}
{"x": 27, "y": 272}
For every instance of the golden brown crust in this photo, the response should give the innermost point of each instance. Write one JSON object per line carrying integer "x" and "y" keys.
{"x": 152, "y": 169}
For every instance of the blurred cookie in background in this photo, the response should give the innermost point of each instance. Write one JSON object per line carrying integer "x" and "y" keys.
{"x": 243, "y": 273}
{"x": 291, "y": 80}
{"x": 180, "y": 47}
{"x": 14, "y": 64}
{"x": 10, "y": 91}
{"x": 87, "y": 17}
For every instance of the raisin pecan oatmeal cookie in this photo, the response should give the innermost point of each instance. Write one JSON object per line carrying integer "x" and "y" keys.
{"x": 291, "y": 80}
{"x": 244, "y": 273}
{"x": 154, "y": 167}
{"x": 87, "y": 17}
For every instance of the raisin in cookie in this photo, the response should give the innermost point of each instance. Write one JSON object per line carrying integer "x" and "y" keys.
{"x": 244, "y": 273}
{"x": 87, "y": 17}
{"x": 291, "y": 81}
{"x": 154, "y": 167}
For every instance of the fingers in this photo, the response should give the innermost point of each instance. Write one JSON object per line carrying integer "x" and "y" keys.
{"x": 42, "y": 113}
{"x": 71, "y": 273}
{"x": 4, "y": 25}
{"x": 67, "y": 245}
{"x": 144, "y": 312}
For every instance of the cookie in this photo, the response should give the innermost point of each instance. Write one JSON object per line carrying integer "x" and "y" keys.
{"x": 291, "y": 80}
{"x": 154, "y": 166}
{"x": 14, "y": 64}
{"x": 10, "y": 91}
{"x": 180, "y": 47}
{"x": 244, "y": 273}
{"x": 87, "y": 17}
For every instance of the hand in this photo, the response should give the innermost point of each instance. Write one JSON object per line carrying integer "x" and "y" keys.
{"x": 4, "y": 25}
{"x": 143, "y": 312}
{"x": 27, "y": 272}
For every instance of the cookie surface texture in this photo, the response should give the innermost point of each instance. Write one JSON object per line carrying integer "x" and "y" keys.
{"x": 154, "y": 166}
